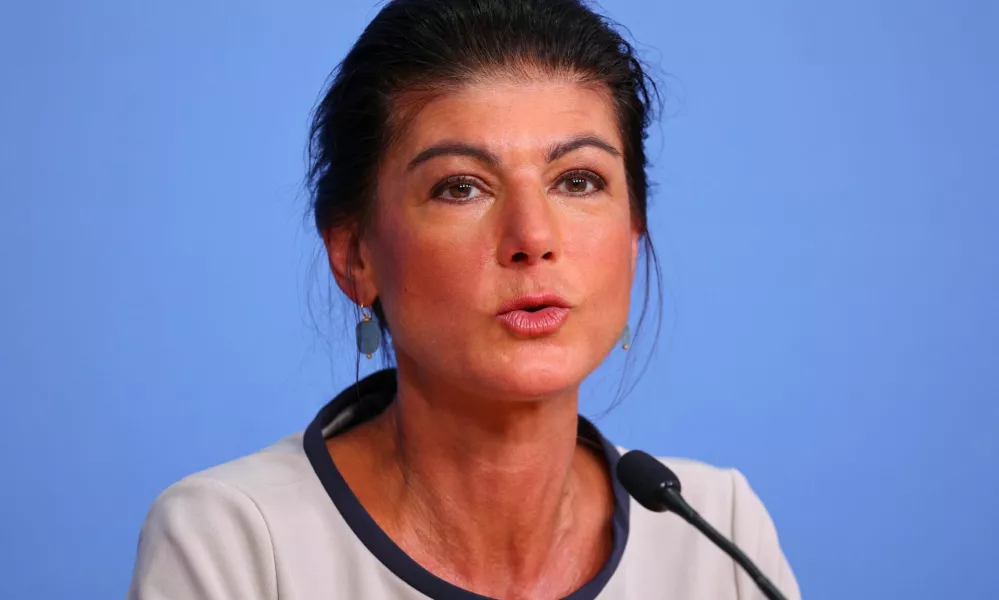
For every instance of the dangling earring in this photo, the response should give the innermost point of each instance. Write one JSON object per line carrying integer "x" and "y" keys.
{"x": 369, "y": 336}
{"x": 626, "y": 337}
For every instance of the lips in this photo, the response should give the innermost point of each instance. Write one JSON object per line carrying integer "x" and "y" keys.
{"x": 534, "y": 315}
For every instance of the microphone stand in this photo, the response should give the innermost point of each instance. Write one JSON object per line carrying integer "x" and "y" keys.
{"x": 671, "y": 497}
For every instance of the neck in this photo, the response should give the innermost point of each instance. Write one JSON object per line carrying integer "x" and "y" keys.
{"x": 493, "y": 481}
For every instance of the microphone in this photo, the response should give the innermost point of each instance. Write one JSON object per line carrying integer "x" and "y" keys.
{"x": 657, "y": 488}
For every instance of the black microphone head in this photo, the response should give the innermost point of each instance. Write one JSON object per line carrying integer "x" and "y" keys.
{"x": 645, "y": 478}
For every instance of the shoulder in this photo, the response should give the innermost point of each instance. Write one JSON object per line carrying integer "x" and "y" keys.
{"x": 725, "y": 498}
{"x": 722, "y": 492}
{"x": 719, "y": 490}
{"x": 709, "y": 488}
{"x": 251, "y": 485}
{"x": 282, "y": 463}
{"x": 211, "y": 530}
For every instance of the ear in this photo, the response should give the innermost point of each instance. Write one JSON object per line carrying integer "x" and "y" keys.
{"x": 350, "y": 264}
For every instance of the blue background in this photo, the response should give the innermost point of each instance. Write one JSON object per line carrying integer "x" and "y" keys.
{"x": 826, "y": 212}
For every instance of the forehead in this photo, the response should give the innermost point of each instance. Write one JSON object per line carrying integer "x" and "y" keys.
{"x": 511, "y": 115}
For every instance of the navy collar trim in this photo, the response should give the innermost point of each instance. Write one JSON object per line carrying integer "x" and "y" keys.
{"x": 366, "y": 400}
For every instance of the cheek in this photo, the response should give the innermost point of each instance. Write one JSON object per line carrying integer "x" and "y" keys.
{"x": 604, "y": 257}
{"x": 422, "y": 271}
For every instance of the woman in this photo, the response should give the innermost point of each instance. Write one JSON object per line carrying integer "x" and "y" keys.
{"x": 479, "y": 182}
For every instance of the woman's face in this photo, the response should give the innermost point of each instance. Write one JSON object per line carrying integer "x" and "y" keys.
{"x": 503, "y": 247}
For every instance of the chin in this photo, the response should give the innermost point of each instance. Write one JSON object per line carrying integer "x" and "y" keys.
{"x": 532, "y": 374}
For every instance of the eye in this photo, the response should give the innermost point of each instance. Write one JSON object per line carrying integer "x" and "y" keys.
{"x": 457, "y": 189}
{"x": 581, "y": 183}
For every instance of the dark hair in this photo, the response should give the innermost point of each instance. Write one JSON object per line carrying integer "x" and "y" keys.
{"x": 428, "y": 45}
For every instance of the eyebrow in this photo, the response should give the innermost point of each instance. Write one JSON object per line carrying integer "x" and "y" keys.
{"x": 555, "y": 152}
{"x": 594, "y": 141}
{"x": 453, "y": 149}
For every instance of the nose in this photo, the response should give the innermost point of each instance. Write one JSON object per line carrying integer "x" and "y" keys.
{"x": 529, "y": 229}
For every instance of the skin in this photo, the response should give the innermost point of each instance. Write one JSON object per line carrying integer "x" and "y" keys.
{"x": 475, "y": 470}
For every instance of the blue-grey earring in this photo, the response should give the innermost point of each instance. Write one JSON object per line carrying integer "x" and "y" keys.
{"x": 626, "y": 337}
{"x": 369, "y": 336}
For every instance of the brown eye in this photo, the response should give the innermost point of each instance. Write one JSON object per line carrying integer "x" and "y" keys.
{"x": 461, "y": 190}
{"x": 457, "y": 190}
{"x": 580, "y": 184}
{"x": 576, "y": 185}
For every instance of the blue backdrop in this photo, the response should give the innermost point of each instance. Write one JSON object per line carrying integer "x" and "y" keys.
{"x": 826, "y": 212}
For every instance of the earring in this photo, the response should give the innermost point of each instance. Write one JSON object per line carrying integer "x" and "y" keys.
{"x": 369, "y": 336}
{"x": 626, "y": 337}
